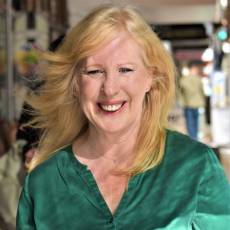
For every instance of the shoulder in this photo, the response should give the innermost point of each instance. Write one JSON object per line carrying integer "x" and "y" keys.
{"x": 180, "y": 147}
{"x": 191, "y": 159}
{"x": 50, "y": 169}
{"x": 177, "y": 140}
{"x": 51, "y": 163}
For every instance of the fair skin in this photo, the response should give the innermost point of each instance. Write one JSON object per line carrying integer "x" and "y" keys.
{"x": 112, "y": 88}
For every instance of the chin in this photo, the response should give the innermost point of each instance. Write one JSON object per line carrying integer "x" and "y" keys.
{"x": 112, "y": 129}
{"x": 115, "y": 127}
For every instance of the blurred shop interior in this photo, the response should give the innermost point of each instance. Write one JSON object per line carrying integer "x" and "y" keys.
{"x": 191, "y": 30}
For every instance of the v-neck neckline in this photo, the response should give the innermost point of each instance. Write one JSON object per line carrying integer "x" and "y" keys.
{"x": 90, "y": 181}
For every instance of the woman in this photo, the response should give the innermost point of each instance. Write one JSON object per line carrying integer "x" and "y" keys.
{"x": 106, "y": 159}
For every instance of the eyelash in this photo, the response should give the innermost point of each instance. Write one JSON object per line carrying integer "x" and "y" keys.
{"x": 125, "y": 70}
{"x": 98, "y": 71}
{"x": 94, "y": 72}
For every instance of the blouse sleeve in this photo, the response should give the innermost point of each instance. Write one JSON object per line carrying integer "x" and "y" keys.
{"x": 213, "y": 200}
{"x": 25, "y": 220}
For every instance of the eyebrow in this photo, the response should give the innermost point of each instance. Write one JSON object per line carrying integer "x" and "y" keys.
{"x": 121, "y": 64}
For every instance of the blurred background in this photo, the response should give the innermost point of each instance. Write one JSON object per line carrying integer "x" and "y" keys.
{"x": 192, "y": 30}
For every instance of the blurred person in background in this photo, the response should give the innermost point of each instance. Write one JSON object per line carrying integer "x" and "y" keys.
{"x": 192, "y": 97}
{"x": 106, "y": 159}
{"x": 11, "y": 174}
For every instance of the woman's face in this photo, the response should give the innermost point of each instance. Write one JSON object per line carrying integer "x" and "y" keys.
{"x": 113, "y": 85}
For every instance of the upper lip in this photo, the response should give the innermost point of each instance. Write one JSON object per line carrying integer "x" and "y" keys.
{"x": 114, "y": 102}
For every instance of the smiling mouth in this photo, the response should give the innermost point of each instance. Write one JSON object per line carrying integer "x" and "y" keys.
{"x": 111, "y": 107}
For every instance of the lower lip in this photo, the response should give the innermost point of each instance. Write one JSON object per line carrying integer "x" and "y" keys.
{"x": 111, "y": 112}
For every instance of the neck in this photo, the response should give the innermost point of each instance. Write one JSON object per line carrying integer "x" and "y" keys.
{"x": 113, "y": 143}
{"x": 117, "y": 147}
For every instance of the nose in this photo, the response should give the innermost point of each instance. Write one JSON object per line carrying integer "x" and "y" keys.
{"x": 110, "y": 86}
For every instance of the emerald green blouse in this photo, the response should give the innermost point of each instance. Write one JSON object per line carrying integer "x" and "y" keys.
{"x": 187, "y": 190}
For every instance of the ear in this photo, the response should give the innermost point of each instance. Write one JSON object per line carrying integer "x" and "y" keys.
{"x": 150, "y": 77}
{"x": 75, "y": 85}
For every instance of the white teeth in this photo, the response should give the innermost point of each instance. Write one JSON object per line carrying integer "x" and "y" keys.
{"x": 111, "y": 108}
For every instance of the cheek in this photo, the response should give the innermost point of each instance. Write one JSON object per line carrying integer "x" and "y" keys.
{"x": 138, "y": 87}
{"x": 89, "y": 89}
{"x": 87, "y": 97}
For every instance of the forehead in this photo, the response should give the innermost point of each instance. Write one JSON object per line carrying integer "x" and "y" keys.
{"x": 123, "y": 48}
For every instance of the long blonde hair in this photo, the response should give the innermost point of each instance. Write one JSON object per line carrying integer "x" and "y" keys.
{"x": 58, "y": 111}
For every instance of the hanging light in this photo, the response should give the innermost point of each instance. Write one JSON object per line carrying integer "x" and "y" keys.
{"x": 226, "y": 47}
{"x": 185, "y": 71}
{"x": 224, "y": 3}
{"x": 207, "y": 55}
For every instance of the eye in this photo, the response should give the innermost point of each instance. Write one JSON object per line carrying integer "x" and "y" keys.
{"x": 125, "y": 70}
{"x": 93, "y": 72}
